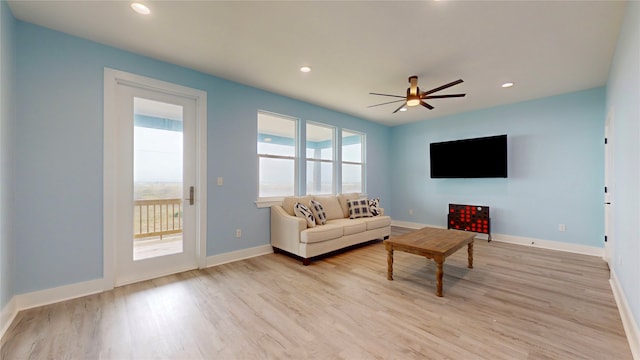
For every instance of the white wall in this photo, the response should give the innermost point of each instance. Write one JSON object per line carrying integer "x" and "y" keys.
{"x": 623, "y": 103}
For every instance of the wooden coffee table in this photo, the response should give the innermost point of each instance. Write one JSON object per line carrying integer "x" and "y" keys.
{"x": 431, "y": 243}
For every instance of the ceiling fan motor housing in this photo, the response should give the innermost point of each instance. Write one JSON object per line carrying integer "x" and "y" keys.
{"x": 413, "y": 99}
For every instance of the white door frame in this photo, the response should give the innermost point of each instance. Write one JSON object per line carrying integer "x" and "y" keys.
{"x": 113, "y": 78}
{"x": 608, "y": 183}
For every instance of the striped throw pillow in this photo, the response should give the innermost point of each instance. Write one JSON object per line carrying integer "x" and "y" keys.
{"x": 302, "y": 211}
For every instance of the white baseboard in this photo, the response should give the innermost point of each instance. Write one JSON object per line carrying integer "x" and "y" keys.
{"x": 412, "y": 225}
{"x": 548, "y": 244}
{"x": 238, "y": 255}
{"x": 58, "y": 294}
{"x": 628, "y": 322}
{"x": 7, "y": 315}
{"x": 520, "y": 240}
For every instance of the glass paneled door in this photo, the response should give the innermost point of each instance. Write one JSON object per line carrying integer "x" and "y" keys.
{"x": 157, "y": 193}
{"x": 157, "y": 179}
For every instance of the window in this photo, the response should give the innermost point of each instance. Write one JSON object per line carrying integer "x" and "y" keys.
{"x": 280, "y": 150}
{"x": 352, "y": 161}
{"x": 276, "y": 155}
{"x": 320, "y": 159}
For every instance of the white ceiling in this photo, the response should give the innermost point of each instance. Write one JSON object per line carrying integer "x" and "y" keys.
{"x": 357, "y": 47}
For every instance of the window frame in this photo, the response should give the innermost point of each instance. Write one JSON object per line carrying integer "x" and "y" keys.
{"x": 333, "y": 161}
{"x": 300, "y": 154}
{"x": 362, "y": 163}
{"x": 266, "y": 201}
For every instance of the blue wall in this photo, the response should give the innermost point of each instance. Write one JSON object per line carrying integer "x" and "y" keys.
{"x": 623, "y": 94}
{"x": 59, "y": 135}
{"x": 7, "y": 25}
{"x": 555, "y": 160}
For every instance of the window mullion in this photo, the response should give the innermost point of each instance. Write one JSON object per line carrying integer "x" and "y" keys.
{"x": 277, "y": 157}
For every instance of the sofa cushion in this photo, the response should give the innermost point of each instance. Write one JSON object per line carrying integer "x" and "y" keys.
{"x": 378, "y": 222}
{"x": 374, "y": 205}
{"x": 302, "y": 211}
{"x": 290, "y": 201}
{"x": 343, "y": 199}
{"x": 350, "y": 226}
{"x": 331, "y": 206}
{"x": 318, "y": 212}
{"x": 359, "y": 208}
{"x": 321, "y": 233}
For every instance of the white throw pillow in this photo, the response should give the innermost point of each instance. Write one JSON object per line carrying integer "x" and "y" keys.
{"x": 302, "y": 211}
{"x": 318, "y": 212}
{"x": 359, "y": 208}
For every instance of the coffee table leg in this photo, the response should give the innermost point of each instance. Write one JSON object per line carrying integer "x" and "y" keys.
{"x": 390, "y": 264}
{"x": 470, "y": 252}
{"x": 439, "y": 274}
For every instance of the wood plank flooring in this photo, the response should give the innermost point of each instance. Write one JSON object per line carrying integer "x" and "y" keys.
{"x": 516, "y": 303}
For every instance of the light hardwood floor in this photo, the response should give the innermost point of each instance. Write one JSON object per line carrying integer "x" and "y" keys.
{"x": 516, "y": 303}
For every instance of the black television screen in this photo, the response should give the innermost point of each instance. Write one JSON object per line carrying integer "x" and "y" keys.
{"x": 484, "y": 157}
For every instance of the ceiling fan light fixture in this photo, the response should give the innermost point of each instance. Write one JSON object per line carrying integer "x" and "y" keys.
{"x": 413, "y": 100}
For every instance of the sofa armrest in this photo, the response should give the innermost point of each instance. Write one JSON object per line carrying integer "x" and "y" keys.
{"x": 285, "y": 230}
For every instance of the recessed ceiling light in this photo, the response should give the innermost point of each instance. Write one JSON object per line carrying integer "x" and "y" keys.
{"x": 140, "y": 8}
{"x": 403, "y": 109}
{"x": 507, "y": 85}
{"x": 305, "y": 69}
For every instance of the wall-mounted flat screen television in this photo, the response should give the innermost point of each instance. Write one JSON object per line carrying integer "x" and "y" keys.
{"x": 484, "y": 157}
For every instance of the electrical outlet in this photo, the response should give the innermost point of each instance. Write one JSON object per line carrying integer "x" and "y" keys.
{"x": 238, "y": 233}
{"x": 220, "y": 181}
{"x": 410, "y": 211}
{"x": 562, "y": 227}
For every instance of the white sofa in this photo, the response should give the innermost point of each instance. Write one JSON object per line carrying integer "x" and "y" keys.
{"x": 291, "y": 234}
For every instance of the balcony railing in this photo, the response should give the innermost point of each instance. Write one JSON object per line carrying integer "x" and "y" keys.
{"x": 157, "y": 217}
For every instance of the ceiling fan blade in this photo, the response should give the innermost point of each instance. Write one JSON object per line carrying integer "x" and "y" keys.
{"x": 398, "y": 109}
{"x": 442, "y": 87}
{"x": 426, "y": 105}
{"x": 442, "y": 96}
{"x": 390, "y": 102}
{"x": 398, "y": 96}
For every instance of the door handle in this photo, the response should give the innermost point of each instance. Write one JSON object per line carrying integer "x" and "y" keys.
{"x": 191, "y": 197}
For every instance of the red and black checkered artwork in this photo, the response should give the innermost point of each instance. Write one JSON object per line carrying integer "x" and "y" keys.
{"x": 469, "y": 218}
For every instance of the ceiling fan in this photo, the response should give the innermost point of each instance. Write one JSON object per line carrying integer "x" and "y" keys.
{"x": 415, "y": 97}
